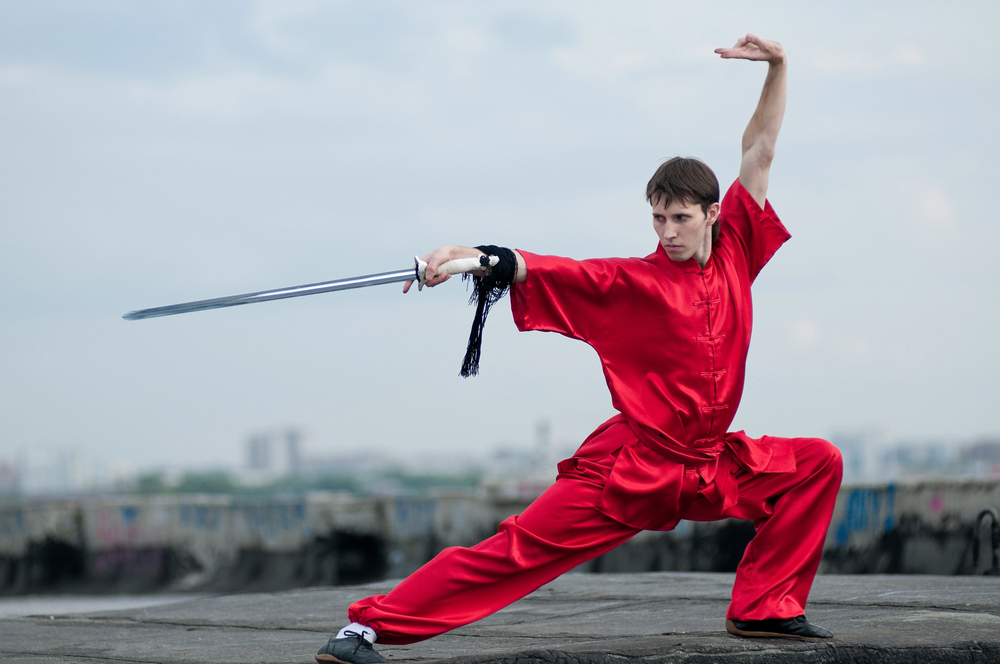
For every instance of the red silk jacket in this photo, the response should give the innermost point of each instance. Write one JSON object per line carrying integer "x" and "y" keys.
{"x": 673, "y": 340}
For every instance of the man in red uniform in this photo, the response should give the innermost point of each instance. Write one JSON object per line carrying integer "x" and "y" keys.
{"x": 672, "y": 331}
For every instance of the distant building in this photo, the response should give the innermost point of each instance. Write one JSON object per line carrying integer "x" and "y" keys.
{"x": 10, "y": 479}
{"x": 47, "y": 472}
{"x": 863, "y": 454}
{"x": 981, "y": 458}
{"x": 920, "y": 460}
{"x": 273, "y": 454}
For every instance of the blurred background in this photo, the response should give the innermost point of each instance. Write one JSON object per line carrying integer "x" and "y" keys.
{"x": 160, "y": 152}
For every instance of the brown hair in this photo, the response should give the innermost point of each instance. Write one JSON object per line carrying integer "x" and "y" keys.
{"x": 688, "y": 180}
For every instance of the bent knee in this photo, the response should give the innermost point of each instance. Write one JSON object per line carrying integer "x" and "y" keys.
{"x": 822, "y": 455}
{"x": 830, "y": 455}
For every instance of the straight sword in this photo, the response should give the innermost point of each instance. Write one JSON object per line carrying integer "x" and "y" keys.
{"x": 416, "y": 273}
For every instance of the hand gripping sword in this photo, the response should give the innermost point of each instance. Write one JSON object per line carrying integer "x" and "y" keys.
{"x": 416, "y": 273}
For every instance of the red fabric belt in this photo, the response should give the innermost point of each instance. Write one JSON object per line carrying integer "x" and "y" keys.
{"x": 642, "y": 491}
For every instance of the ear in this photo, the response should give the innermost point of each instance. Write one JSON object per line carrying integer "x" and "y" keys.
{"x": 713, "y": 214}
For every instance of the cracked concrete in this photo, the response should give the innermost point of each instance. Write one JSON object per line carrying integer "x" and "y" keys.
{"x": 577, "y": 619}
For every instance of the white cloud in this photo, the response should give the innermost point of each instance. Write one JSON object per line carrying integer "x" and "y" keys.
{"x": 810, "y": 336}
{"x": 214, "y": 96}
{"x": 465, "y": 40}
{"x": 19, "y": 75}
{"x": 805, "y": 334}
{"x": 852, "y": 347}
{"x": 270, "y": 20}
{"x": 909, "y": 55}
{"x": 602, "y": 60}
{"x": 932, "y": 217}
{"x": 860, "y": 61}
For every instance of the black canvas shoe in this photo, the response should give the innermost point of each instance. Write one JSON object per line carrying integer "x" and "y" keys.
{"x": 352, "y": 649}
{"x": 793, "y": 628}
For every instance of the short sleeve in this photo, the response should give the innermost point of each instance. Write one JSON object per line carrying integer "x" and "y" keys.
{"x": 579, "y": 299}
{"x": 749, "y": 230}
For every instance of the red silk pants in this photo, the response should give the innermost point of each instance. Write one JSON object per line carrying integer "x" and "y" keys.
{"x": 562, "y": 529}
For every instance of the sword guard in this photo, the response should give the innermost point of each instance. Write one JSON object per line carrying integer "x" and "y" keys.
{"x": 454, "y": 266}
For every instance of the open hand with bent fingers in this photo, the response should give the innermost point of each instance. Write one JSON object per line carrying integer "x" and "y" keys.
{"x": 753, "y": 47}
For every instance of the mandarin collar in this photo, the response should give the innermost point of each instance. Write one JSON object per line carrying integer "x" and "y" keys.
{"x": 690, "y": 266}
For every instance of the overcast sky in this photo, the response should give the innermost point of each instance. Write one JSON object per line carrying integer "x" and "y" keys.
{"x": 159, "y": 152}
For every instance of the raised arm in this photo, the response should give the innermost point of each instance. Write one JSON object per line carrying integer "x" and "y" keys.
{"x": 761, "y": 134}
{"x": 451, "y": 251}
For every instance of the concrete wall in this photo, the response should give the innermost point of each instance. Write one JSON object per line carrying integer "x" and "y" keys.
{"x": 914, "y": 528}
{"x": 128, "y": 543}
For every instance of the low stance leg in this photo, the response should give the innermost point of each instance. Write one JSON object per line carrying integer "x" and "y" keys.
{"x": 557, "y": 532}
{"x": 774, "y": 578}
{"x": 791, "y": 512}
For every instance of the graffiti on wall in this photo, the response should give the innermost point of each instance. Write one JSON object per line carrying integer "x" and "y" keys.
{"x": 867, "y": 512}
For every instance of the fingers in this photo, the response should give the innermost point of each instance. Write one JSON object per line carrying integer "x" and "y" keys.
{"x": 435, "y": 259}
{"x": 752, "y": 47}
{"x": 431, "y": 281}
{"x": 758, "y": 45}
{"x": 737, "y": 47}
{"x": 745, "y": 48}
{"x": 437, "y": 280}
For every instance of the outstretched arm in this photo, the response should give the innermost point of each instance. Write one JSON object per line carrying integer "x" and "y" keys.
{"x": 761, "y": 134}
{"x": 450, "y": 252}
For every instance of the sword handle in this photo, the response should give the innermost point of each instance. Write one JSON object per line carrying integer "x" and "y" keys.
{"x": 455, "y": 266}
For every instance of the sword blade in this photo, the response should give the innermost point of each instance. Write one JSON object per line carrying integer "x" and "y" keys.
{"x": 409, "y": 274}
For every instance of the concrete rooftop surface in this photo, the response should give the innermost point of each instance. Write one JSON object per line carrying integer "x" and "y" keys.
{"x": 579, "y": 618}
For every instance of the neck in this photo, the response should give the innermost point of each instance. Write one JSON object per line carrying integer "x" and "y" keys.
{"x": 704, "y": 251}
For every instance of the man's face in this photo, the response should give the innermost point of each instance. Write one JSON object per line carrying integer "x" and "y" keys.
{"x": 684, "y": 230}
